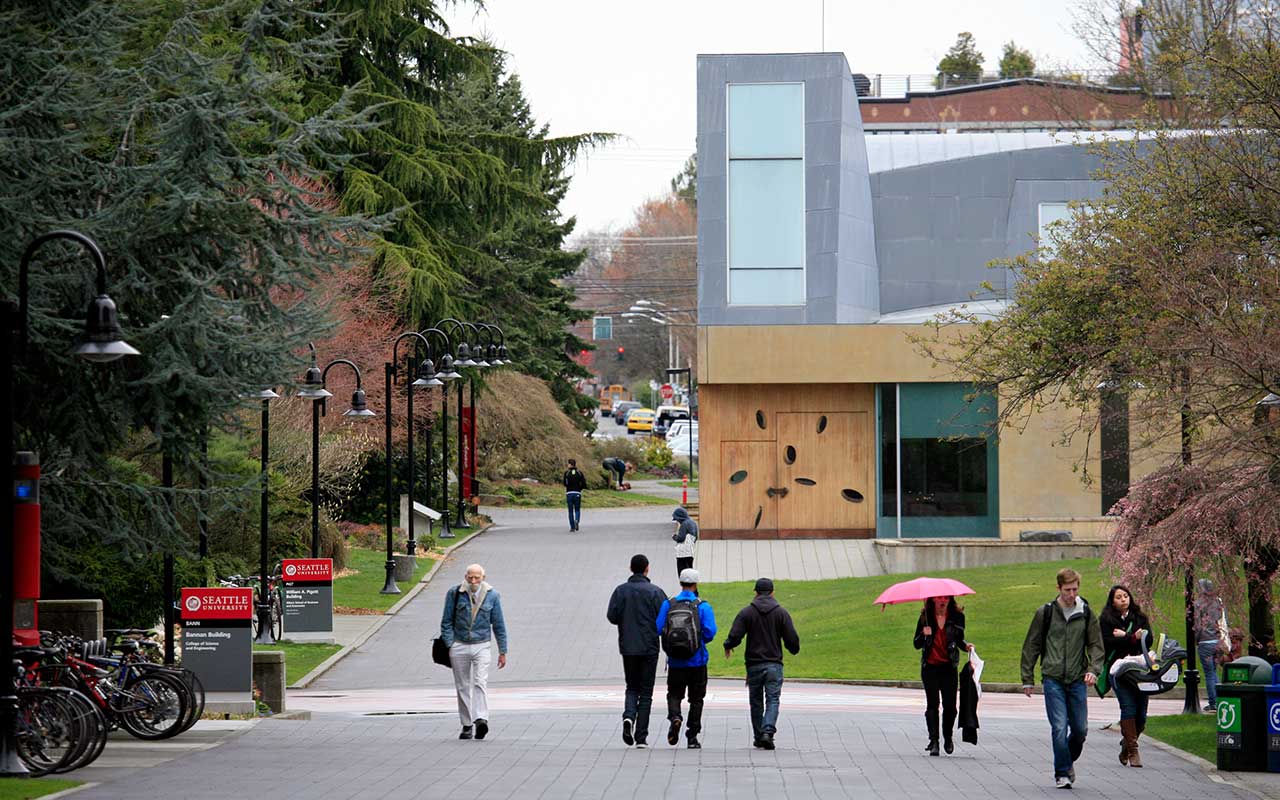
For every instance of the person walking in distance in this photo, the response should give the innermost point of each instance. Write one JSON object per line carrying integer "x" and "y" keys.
{"x": 685, "y": 537}
{"x": 574, "y": 484}
{"x": 687, "y": 624}
{"x": 940, "y": 638}
{"x": 634, "y": 608}
{"x": 472, "y": 610}
{"x": 1213, "y": 638}
{"x": 768, "y": 628}
{"x": 1124, "y": 629}
{"x": 1066, "y": 639}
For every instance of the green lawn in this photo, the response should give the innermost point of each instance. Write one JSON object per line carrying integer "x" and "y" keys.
{"x": 1194, "y": 733}
{"x": 533, "y": 495}
{"x": 844, "y": 636}
{"x": 363, "y": 589}
{"x": 300, "y": 657}
{"x": 23, "y": 788}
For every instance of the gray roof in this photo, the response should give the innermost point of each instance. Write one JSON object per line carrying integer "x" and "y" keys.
{"x": 892, "y": 151}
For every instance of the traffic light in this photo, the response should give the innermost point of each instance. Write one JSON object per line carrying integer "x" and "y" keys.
{"x": 621, "y": 352}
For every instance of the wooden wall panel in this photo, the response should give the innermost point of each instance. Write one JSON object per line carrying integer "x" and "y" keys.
{"x": 746, "y": 504}
{"x": 825, "y": 464}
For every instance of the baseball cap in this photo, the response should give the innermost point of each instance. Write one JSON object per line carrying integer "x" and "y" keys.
{"x": 689, "y": 577}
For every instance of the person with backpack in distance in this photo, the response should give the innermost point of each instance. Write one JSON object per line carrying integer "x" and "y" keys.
{"x": 1124, "y": 633}
{"x": 574, "y": 484}
{"x": 634, "y": 608}
{"x": 1066, "y": 639}
{"x": 471, "y": 610}
{"x": 687, "y": 624}
{"x": 685, "y": 537}
{"x": 768, "y": 628}
{"x": 940, "y": 638}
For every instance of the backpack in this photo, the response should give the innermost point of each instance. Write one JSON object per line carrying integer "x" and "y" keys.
{"x": 682, "y": 633}
{"x": 1047, "y": 616}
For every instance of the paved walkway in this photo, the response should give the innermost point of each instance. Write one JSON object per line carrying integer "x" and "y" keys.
{"x": 384, "y": 723}
{"x": 723, "y": 560}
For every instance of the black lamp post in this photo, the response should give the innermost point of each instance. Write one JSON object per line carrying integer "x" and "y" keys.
{"x": 465, "y": 358}
{"x": 103, "y": 342}
{"x": 424, "y": 377}
{"x": 265, "y": 635}
{"x": 1190, "y": 677}
{"x": 689, "y": 372}
{"x": 446, "y": 373}
{"x": 313, "y": 388}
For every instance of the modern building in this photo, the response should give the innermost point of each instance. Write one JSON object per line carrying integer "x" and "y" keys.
{"x": 822, "y": 254}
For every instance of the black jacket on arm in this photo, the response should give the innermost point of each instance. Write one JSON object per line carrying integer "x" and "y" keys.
{"x": 634, "y": 609}
{"x": 768, "y": 627}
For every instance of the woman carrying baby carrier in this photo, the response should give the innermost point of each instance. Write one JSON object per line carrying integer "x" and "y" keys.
{"x": 1124, "y": 629}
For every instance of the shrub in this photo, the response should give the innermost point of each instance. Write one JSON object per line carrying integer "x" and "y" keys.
{"x": 657, "y": 454}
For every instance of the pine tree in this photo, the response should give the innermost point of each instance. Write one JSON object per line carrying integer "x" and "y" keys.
{"x": 962, "y": 64}
{"x": 1016, "y": 62}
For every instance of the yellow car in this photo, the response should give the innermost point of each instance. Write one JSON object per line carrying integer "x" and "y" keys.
{"x": 640, "y": 419}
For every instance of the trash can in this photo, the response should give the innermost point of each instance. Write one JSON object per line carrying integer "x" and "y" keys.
{"x": 1242, "y": 715}
{"x": 1273, "y": 721}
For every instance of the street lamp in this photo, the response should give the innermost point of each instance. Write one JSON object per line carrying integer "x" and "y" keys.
{"x": 424, "y": 377}
{"x": 389, "y": 368}
{"x": 465, "y": 359}
{"x": 102, "y": 343}
{"x": 313, "y": 388}
{"x": 689, "y": 373}
{"x": 446, "y": 374}
{"x": 264, "y": 602}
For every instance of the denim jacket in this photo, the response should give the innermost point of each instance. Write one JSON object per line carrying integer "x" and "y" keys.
{"x": 458, "y": 627}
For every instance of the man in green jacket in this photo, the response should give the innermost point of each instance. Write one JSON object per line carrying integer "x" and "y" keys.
{"x": 1067, "y": 641}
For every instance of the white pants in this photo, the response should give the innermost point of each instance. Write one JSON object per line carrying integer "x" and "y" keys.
{"x": 471, "y": 679}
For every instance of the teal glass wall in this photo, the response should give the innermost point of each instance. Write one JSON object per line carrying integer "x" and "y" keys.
{"x": 949, "y": 471}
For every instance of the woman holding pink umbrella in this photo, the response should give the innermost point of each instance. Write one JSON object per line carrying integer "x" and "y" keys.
{"x": 939, "y": 638}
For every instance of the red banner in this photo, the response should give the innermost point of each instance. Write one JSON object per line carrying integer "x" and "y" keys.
{"x": 217, "y": 604}
{"x": 307, "y": 570}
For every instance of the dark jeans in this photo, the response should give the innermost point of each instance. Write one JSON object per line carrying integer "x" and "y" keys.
{"x": 1133, "y": 703}
{"x": 939, "y": 684}
{"x": 574, "y": 501}
{"x": 764, "y": 689}
{"x": 640, "y": 672}
{"x": 682, "y": 564}
{"x": 1208, "y": 651}
{"x": 1067, "y": 705}
{"x": 694, "y": 679}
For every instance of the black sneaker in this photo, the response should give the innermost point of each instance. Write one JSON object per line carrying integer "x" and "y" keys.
{"x": 948, "y": 746}
{"x": 673, "y": 735}
{"x": 641, "y": 744}
{"x": 694, "y": 744}
{"x": 466, "y": 732}
{"x": 627, "y": 736}
{"x": 766, "y": 741}
{"x": 482, "y": 728}
{"x": 758, "y": 743}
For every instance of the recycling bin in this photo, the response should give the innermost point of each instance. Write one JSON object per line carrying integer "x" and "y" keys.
{"x": 1242, "y": 715}
{"x": 1273, "y": 720}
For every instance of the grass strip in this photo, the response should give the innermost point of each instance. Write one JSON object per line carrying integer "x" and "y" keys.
{"x": 362, "y": 589}
{"x": 1195, "y": 733}
{"x": 300, "y": 657}
{"x": 24, "y": 788}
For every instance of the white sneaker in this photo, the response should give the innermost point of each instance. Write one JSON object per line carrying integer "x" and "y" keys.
{"x": 1062, "y": 782}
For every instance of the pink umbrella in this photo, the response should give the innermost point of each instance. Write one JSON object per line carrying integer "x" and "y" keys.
{"x": 921, "y": 589}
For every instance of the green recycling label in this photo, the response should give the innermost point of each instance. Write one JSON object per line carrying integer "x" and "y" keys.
{"x": 1229, "y": 723}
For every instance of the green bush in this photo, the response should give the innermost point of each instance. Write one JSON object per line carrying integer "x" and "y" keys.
{"x": 657, "y": 455}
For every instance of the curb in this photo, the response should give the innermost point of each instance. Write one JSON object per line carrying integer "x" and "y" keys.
{"x": 1209, "y": 768}
{"x": 327, "y": 664}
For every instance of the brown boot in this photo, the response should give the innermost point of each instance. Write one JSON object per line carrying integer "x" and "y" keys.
{"x": 1124, "y": 748}
{"x": 1129, "y": 730}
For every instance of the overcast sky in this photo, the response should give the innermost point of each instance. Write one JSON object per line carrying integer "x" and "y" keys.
{"x": 629, "y": 68}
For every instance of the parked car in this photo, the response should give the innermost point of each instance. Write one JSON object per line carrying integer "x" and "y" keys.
{"x": 621, "y": 409}
{"x": 680, "y": 429}
{"x": 640, "y": 419}
{"x": 665, "y": 416}
{"x": 680, "y": 445}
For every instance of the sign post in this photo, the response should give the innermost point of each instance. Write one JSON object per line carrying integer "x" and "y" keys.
{"x": 308, "y": 599}
{"x": 217, "y": 645}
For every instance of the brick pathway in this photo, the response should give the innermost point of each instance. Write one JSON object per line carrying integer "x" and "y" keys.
{"x": 384, "y": 724}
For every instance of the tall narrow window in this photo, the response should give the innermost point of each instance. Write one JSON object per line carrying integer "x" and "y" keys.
{"x": 1049, "y": 232}
{"x": 1114, "y": 447}
{"x": 766, "y": 194}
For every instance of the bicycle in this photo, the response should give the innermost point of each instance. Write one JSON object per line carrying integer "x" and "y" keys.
{"x": 275, "y": 598}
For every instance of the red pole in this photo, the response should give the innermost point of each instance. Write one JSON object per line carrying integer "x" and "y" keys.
{"x": 26, "y": 548}
{"x": 684, "y": 489}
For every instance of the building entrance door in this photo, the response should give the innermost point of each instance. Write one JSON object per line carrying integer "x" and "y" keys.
{"x": 825, "y": 469}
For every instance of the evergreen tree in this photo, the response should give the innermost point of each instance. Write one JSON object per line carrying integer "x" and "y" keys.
{"x": 962, "y": 64}
{"x": 1016, "y": 62}
{"x": 685, "y": 184}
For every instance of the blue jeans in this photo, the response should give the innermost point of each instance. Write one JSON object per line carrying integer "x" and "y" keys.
{"x": 1208, "y": 652}
{"x": 1133, "y": 703}
{"x": 574, "y": 501}
{"x": 1068, "y": 710}
{"x": 764, "y": 689}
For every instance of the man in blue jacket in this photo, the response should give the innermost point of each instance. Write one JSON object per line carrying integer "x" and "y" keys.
{"x": 686, "y": 624}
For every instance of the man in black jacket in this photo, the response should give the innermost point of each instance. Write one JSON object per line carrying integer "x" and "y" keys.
{"x": 574, "y": 483}
{"x": 634, "y": 609}
{"x": 767, "y": 627}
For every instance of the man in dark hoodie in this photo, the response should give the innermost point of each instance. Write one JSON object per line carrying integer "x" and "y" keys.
{"x": 767, "y": 627}
{"x": 634, "y": 609}
{"x": 685, "y": 537}
{"x": 574, "y": 483}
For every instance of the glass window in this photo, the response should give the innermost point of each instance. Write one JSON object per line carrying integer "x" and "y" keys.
{"x": 766, "y": 287}
{"x": 766, "y": 120}
{"x": 603, "y": 328}
{"x": 888, "y": 450}
{"x": 944, "y": 477}
{"x": 1051, "y": 213}
{"x": 766, "y": 213}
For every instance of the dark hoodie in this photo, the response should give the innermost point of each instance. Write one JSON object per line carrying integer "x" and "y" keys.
{"x": 767, "y": 627}
{"x": 687, "y": 526}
